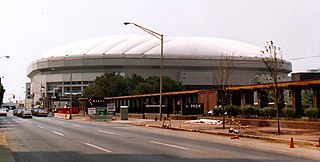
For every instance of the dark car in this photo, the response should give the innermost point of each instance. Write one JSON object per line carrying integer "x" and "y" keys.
{"x": 17, "y": 112}
{"x": 26, "y": 114}
{"x": 42, "y": 112}
{"x": 34, "y": 111}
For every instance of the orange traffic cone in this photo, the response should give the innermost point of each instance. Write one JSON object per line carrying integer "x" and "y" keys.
{"x": 291, "y": 143}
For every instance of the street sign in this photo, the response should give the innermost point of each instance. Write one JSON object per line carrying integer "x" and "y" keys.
{"x": 96, "y": 101}
{"x": 111, "y": 107}
{"x": 91, "y": 111}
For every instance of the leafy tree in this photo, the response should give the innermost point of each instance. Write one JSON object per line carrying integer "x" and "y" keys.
{"x": 107, "y": 85}
{"x": 170, "y": 85}
{"x": 112, "y": 84}
{"x": 1, "y": 93}
{"x": 134, "y": 84}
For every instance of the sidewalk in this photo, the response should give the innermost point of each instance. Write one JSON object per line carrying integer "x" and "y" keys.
{"x": 302, "y": 137}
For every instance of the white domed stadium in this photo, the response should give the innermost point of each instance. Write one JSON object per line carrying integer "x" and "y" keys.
{"x": 191, "y": 60}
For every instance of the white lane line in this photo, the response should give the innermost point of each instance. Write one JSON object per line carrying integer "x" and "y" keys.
{"x": 174, "y": 146}
{"x": 109, "y": 132}
{"x": 79, "y": 126}
{"x": 40, "y": 126}
{"x": 97, "y": 147}
{"x": 57, "y": 133}
{"x": 26, "y": 121}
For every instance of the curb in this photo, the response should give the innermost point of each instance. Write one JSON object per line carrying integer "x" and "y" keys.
{"x": 5, "y": 152}
{"x": 279, "y": 140}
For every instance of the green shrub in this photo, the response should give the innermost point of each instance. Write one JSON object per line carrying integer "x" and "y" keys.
{"x": 311, "y": 113}
{"x": 232, "y": 110}
{"x": 217, "y": 111}
{"x": 250, "y": 110}
{"x": 288, "y": 112}
{"x": 268, "y": 112}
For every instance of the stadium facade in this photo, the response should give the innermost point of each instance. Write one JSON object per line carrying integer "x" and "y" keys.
{"x": 194, "y": 61}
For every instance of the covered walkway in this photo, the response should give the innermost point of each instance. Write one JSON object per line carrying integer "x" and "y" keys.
{"x": 246, "y": 93}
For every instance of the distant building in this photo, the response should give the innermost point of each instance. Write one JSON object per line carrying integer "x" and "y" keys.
{"x": 311, "y": 74}
{"x": 10, "y": 105}
{"x": 191, "y": 60}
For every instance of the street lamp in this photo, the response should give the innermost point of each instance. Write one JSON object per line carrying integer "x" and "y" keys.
{"x": 159, "y": 36}
{"x": 4, "y": 57}
{"x": 70, "y": 96}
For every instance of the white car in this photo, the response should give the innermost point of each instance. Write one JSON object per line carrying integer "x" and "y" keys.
{"x": 3, "y": 112}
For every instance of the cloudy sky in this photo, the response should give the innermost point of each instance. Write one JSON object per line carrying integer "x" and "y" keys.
{"x": 28, "y": 28}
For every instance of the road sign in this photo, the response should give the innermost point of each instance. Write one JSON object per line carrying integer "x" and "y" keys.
{"x": 111, "y": 107}
{"x": 91, "y": 111}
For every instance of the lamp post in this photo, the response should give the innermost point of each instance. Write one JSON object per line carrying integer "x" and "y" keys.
{"x": 70, "y": 96}
{"x": 159, "y": 36}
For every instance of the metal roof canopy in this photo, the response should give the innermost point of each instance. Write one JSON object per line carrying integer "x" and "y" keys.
{"x": 282, "y": 85}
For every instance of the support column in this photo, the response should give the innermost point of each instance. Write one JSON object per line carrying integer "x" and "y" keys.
{"x": 296, "y": 102}
{"x": 316, "y": 97}
{"x": 250, "y": 98}
{"x": 181, "y": 105}
{"x": 174, "y": 105}
{"x": 243, "y": 99}
{"x": 262, "y": 97}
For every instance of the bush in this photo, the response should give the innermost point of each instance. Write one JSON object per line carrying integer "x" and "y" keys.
{"x": 268, "y": 112}
{"x": 250, "y": 110}
{"x": 217, "y": 111}
{"x": 311, "y": 113}
{"x": 288, "y": 112}
{"x": 232, "y": 110}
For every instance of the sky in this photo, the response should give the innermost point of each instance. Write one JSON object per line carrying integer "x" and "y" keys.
{"x": 28, "y": 28}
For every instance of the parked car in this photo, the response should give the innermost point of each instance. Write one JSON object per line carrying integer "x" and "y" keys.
{"x": 16, "y": 112}
{"x": 3, "y": 112}
{"x": 34, "y": 111}
{"x": 26, "y": 114}
{"x": 42, "y": 112}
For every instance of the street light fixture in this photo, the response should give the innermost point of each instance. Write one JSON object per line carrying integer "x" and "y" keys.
{"x": 70, "y": 96}
{"x": 4, "y": 57}
{"x": 159, "y": 36}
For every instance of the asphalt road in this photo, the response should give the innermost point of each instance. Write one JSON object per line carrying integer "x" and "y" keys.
{"x": 50, "y": 139}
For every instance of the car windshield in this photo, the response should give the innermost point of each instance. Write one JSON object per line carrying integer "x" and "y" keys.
{"x": 27, "y": 112}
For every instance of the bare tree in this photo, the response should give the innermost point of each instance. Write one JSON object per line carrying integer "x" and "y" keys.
{"x": 272, "y": 58}
{"x": 224, "y": 78}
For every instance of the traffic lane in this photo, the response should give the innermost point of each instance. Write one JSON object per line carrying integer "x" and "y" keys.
{"x": 116, "y": 157}
{"x": 124, "y": 142}
{"x": 244, "y": 143}
{"x": 29, "y": 143}
{"x": 203, "y": 146}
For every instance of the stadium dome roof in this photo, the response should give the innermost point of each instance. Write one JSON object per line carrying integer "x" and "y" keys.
{"x": 149, "y": 45}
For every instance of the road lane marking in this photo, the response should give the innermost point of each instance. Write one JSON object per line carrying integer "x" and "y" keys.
{"x": 59, "y": 121}
{"x": 43, "y": 118}
{"x": 174, "y": 146}
{"x": 79, "y": 126}
{"x": 109, "y": 132}
{"x": 57, "y": 133}
{"x": 25, "y": 121}
{"x": 97, "y": 147}
{"x": 40, "y": 126}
